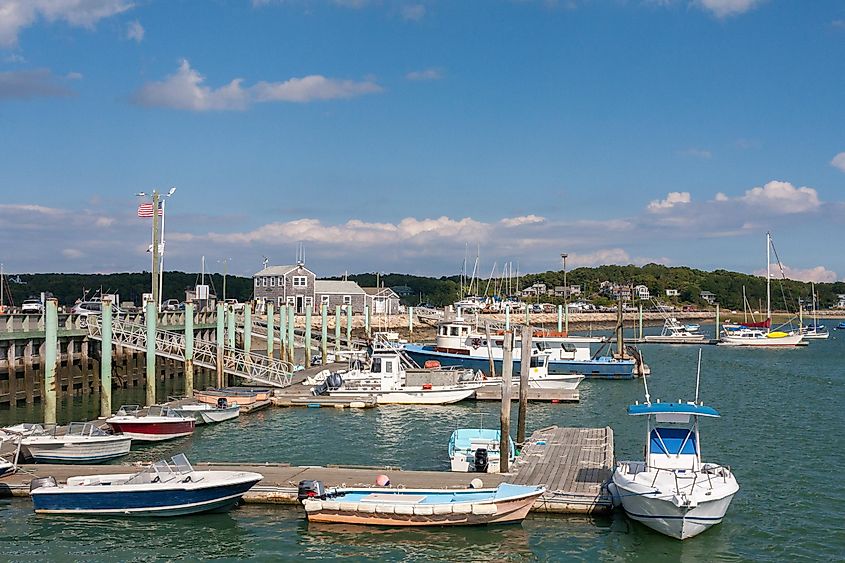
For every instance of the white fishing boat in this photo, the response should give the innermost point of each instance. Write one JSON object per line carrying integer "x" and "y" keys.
{"x": 672, "y": 490}
{"x": 164, "y": 488}
{"x": 675, "y": 332}
{"x": 386, "y": 377}
{"x": 539, "y": 376}
{"x": 83, "y": 442}
{"x": 210, "y": 414}
{"x": 477, "y": 450}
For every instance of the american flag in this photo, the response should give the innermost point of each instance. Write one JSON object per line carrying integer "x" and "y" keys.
{"x": 146, "y": 210}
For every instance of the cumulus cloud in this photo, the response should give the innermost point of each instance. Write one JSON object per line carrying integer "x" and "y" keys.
{"x": 839, "y": 161}
{"x": 426, "y": 74}
{"x": 135, "y": 31}
{"x": 523, "y": 220}
{"x": 186, "y": 89}
{"x": 782, "y": 198}
{"x": 16, "y": 15}
{"x": 413, "y": 12}
{"x": 672, "y": 199}
{"x": 817, "y": 274}
{"x": 28, "y": 84}
{"x": 726, "y": 8}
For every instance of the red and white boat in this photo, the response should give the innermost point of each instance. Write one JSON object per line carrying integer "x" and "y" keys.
{"x": 158, "y": 423}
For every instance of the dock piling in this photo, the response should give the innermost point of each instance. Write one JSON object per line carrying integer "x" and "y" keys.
{"x": 308, "y": 337}
{"x": 51, "y": 346}
{"x": 152, "y": 317}
{"x": 641, "y": 321}
{"x": 105, "y": 358}
{"x": 230, "y": 326}
{"x": 324, "y": 334}
{"x": 248, "y": 327}
{"x": 189, "y": 349}
{"x": 716, "y": 336}
{"x": 349, "y": 327}
{"x": 524, "y": 369}
{"x": 270, "y": 330}
{"x": 507, "y": 317}
{"x": 410, "y": 320}
{"x": 367, "y": 320}
{"x": 560, "y": 318}
{"x": 283, "y": 334}
{"x": 291, "y": 334}
{"x": 505, "y": 418}
{"x": 221, "y": 313}
{"x": 337, "y": 330}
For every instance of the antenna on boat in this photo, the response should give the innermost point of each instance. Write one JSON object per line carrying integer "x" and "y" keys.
{"x": 698, "y": 376}
{"x": 647, "y": 396}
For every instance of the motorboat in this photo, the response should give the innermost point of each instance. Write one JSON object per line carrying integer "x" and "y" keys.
{"x": 387, "y": 377}
{"x": 241, "y": 395}
{"x": 209, "y": 414}
{"x": 459, "y": 343}
{"x": 676, "y": 332}
{"x": 9, "y": 442}
{"x": 840, "y": 326}
{"x": 539, "y": 376}
{"x": 164, "y": 488}
{"x": 506, "y": 503}
{"x": 672, "y": 491}
{"x": 82, "y": 442}
{"x": 156, "y": 424}
{"x": 477, "y": 450}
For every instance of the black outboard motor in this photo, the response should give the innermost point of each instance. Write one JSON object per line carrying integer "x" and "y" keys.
{"x": 222, "y": 403}
{"x": 39, "y": 482}
{"x": 481, "y": 460}
{"x": 310, "y": 489}
{"x": 334, "y": 381}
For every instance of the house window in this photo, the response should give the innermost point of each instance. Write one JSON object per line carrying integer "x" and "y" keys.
{"x": 257, "y": 282}
{"x": 291, "y": 300}
{"x": 281, "y": 282}
{"x": 309, "y": 302}
{"x": 324, "y": 299}
{"x": 264, "y": 282}
{"x": 272, "y": 282}
{"x": 347, "y": 300}
{"x": 300, "y": 281}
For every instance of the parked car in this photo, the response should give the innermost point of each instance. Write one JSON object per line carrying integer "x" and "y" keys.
{"x": 234, "y": 303}
{"x": 170, "y": 305}
{"x": 32, "y": 307}
{"x": 85, "y": 308}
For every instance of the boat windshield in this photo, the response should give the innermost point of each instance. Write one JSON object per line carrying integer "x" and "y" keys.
{"x": 162, "y": 471}
{"x": 128, "y": 410}
{"x": 84, "y": 429}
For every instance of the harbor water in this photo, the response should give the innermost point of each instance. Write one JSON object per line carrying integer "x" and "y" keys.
{"x": 781, "y": 431}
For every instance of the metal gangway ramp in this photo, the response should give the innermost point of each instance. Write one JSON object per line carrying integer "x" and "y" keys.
{"x": 253, "y": 367}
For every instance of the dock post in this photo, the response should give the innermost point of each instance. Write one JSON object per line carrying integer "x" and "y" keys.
{"x": 337, "y": 330}
{"x": 152, "y": 317}
{"x": 507, "y": 317}
{"x": 189, "y": 349}
{"x": 505, "y": 419}
{"x": 717, "y": 321}
{"x": 247, "y": 327}
{"x": 410, "y": 320}
{"x": 560, "y": 318}
{"x": 51, "y": 346}
{"x": 490, "y": 349}
{"x": 105, "y": 358}
{"x": 283, "y": 333}
{"x": 527, "y": 314}
{"x": 324, "y": 333}
{"x": 367, "y": 320}
{"x": 270, "y": 330}
{"x": 221, "y": 319}
{"x": 291, "y": 334}
{"x": 641, "y": 321}
{"x": 230, "y": 326}
{"x": 524, "y": 370}
{"x": 566, "y": 318}
{"x": 308, "y": 337}
{"x": 349, "y": 327}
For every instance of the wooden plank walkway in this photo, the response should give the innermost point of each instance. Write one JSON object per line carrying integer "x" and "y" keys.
{"x": 572, "y": 463}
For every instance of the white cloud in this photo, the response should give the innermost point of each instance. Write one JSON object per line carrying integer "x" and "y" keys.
{"x": 782, "y": 198}
{"x": 28, "y": 84}
{"x": 413, "y": 12}
{"x": 818, "y": 274}
{"x": 672, "y": 199}
{"x": 186, "y": 89}
{"x": 74, "y": 76}
{"x": 135, "y": 31}
{"x": 427, "y": 74}
{"x": 839, "y": 161}
{"x": 703, "y": 154}
{"x": 72, "y": 253}
{"x": 16, "y": 15}
{"x": 523, "y": 220}
{"x": 725, "y": 8}
{"x": 721, "y": 197}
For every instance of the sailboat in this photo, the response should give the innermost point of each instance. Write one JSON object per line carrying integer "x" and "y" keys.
{"x": 815, "y": 331}
{"x": 761, "y": 334}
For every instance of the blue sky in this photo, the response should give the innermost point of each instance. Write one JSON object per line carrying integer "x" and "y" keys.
{"x": 388, "y": 135}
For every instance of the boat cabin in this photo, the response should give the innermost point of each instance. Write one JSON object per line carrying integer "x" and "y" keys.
{"x": 672, "y": 441}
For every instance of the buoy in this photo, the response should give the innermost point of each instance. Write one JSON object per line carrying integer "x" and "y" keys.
{"x": 476, "y": 483}
{"x": 383, "y": 481}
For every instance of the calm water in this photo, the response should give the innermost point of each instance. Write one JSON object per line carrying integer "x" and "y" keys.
{"x": 782, "y": 426}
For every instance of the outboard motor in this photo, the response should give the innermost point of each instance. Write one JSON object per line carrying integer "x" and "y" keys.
{"x": 222, "y": 403}
{"x": 310, "y": 488}
{"x": 481, "y": 460}
{"x": 334, "y": 381}
{"x": 39, "y": 482}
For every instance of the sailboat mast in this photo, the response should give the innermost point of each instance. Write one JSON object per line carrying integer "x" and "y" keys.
{"x": 768, "y": 277}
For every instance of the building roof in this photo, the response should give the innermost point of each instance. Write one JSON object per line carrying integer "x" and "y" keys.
{"x": 278, "y": 270}
{"x": 337, "y": 286}
{"x": 381, "y": 292}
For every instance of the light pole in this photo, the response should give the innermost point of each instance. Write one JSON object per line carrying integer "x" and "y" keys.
{"x": 155, "y": 243}
{"x": 161, "y": 254}
{"x": 225, "y": 273}
{"x": 565, "y": 296}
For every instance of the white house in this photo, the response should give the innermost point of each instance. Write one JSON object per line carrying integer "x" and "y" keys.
{"x": 673, "y": 293}
{"x": 642, "y": 292}
{"x": 708, "y": 296}
{"x": 841, "y": 303}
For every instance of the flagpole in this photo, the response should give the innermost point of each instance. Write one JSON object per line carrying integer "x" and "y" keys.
{"x": 161, "y": 256}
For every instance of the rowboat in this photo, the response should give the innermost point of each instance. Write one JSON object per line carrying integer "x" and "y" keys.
{"x": 204, "y": 413}
{"x": 83, "y": 442}
{"x": 417, "y": 507}
{"x": 164, "y": 488}
{"x": 242, "y": 395}
{"x": 158, "y": 423}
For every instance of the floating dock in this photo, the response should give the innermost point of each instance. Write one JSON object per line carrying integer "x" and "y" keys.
{"x": 572, "y": 463}
{"x": 494, "y": 393}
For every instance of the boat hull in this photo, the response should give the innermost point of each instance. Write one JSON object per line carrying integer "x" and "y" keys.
{"x": 593, "y": 369}
{"x": 212, "y": 415}
{"x": 161, "y": 501}
{"x": 154, "y": 431}
{"x": 765, "y": 342}
{"x": 86, "y": 450}
{"x": 409, "y": 397}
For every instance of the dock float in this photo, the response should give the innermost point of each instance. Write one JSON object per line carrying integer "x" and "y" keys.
{"x": 494, "y": 393}
{"x": 572, "y": 463}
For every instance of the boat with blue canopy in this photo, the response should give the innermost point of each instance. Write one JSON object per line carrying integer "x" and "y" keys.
{"x": 672, "y": 490}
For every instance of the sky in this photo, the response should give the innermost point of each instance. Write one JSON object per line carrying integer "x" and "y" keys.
{"x": 404, "y": 135}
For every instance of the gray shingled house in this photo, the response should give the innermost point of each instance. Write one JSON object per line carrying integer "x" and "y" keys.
{"x": 291, "y": 285}
{"x": 382, "y": 300}
{"x": 332, "y": 293}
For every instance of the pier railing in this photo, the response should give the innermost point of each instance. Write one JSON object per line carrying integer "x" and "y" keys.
{"x": 256, "y": 368}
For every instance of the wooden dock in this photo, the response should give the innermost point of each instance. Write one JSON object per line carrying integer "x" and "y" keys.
{"x": 572, "y": 463}
{"x": 494, "y": 393}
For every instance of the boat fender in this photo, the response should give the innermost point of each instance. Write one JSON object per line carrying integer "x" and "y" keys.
{"x": 463, "y": 508}
{"x": 423, "y": 510}
{"x": 483, "y": 509}
{"x": 441, "y": 509}
{"x": 348, "y": 507}
{"x": 313, "y": 505}
{"x": 404, "y": 509}
{"x": 476, "y": 484}
{"x": 384, "y": 509}
{"x": 40, "y": 482}
{"x": 331, "y": 505}
{"x": 614, "y": 495}
{"x": 366, "y": 508}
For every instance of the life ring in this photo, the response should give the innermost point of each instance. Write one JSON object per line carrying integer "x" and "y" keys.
{"x": 476, "y": 343}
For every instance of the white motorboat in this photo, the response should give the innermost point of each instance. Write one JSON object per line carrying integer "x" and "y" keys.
{"x": 83, "y": 442}
{"x": 477, "y": 450}
{"x": 672, "y": 491}
{"x": 385, "y": 378}
{"x": 674, "y": 332}
{"x": 163, "y": 489}
{"x": 156, "y": 424}
{"x": 539, "y": 376}
{"x": 9, "y": 462}
{"x": 210, "y": 414}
